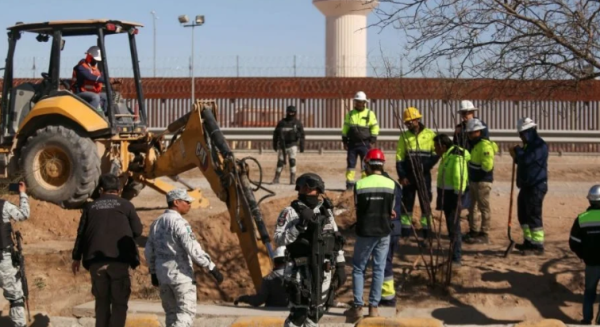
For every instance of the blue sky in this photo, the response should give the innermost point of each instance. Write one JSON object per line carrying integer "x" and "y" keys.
{"x": 265, "y": 34}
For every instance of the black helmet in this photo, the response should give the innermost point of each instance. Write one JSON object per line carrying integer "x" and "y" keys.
{"x": 290, "y": 109}
{"x": 312, "y": 180}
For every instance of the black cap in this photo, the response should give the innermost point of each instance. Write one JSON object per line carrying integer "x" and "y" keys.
{"x": 291, "y": 109}
{"x": 312, "y": 180}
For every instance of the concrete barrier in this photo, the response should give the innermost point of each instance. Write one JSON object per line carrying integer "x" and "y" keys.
{"x": 399, "y": 322}
{"x": 258, "y": 322}
{"x": 541, "y": 323}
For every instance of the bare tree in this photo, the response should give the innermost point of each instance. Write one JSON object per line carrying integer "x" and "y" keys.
{"x": 500, "y": 39}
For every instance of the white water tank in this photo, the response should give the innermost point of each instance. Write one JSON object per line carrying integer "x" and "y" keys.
{"x": 346, "y": 36}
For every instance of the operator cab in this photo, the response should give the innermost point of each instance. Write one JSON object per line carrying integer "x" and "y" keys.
{"x": 21, "y": 99}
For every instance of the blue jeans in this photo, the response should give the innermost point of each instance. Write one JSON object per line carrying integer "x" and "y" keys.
{"x": 363, "y": 248}
{"x": 592, "y": 277}
{"x": 96, "y": 100}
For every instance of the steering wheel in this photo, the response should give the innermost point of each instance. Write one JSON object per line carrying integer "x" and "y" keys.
{"x": 64, "y": 83}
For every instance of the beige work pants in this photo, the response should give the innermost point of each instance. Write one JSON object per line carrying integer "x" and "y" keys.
{"x": 480, "y": 201}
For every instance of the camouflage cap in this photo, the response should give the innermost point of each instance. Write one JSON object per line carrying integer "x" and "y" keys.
{"x": 179, "y": 194}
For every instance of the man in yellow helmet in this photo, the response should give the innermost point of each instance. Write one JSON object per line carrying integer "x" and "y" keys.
{"x": 359, "y": 133}
{"x": 415, "y": 157}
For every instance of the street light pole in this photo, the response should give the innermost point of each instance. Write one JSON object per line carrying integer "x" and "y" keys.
{"x": 154, "y": 32}
{"x": 183, "y": 19}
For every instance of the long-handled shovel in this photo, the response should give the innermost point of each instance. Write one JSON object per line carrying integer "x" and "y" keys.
{"x": 510, "y": 210}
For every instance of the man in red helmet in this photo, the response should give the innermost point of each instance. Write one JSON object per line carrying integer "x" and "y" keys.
{"x": 374, "y": 198}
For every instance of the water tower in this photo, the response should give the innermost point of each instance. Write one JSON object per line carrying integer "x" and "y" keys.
{"x": 346, "y": 36}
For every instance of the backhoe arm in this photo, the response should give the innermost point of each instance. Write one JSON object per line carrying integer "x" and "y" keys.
{"x": 200, "y": 143}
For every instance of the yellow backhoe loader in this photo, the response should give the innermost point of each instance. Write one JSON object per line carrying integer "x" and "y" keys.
{"x": 60, "y": 145}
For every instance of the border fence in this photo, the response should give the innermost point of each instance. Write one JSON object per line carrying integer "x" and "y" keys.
{"x": 563, "y": 110}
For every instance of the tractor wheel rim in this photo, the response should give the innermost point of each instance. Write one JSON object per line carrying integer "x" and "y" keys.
{"x": 52, "y": 167}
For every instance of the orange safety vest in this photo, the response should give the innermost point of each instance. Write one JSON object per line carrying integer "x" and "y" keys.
{"x": 88, "y": 86}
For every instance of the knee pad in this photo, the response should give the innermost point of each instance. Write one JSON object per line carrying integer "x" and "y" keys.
{"x": 298, "y": 316}
{"x": 280, "y": 163}
{"x": 292, "y": 162}
{"x": 17, "y": 303}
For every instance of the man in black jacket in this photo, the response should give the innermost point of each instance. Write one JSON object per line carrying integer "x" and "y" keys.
{"x": 585, "y": 242}
{"x": 288, "y": 137}
{"x": 105, "y": 242}
{"x": 272, "y": 293}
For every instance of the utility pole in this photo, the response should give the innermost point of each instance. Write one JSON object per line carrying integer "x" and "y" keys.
{"x": 154, "y": 32}
{"x": 199, "y": 21}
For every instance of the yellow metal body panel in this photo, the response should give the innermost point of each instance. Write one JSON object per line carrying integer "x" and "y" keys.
{"x": 190, "y": 150}
{"x": 68, "y": 107}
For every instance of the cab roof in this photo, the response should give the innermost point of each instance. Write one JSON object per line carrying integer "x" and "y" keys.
{"x": 74, "y": 27}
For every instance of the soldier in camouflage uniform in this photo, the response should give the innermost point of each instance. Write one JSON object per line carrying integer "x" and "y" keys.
{"x": 170, "y": 251}
{"x": 9, "y": 281}
{"x": 314, "y": 251}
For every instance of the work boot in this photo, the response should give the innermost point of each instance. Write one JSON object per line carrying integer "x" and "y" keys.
{"x": 483, "y": 238}
{"x": 349, "y": 185}
{"x": 373, "y": 311}
{"x": 387, "y": 303}
{"x": 353, "y": 314}
{"x": 276, "y": 179}
{"x": 293, "y": 178}
{"x": 469, "y": 237}
{"x": 524, "y": 246}
{"x": 536, "y": 249}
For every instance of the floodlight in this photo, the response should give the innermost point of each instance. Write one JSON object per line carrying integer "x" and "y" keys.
{"x": 200, "y": 19}
{"x": 183, "y": 19}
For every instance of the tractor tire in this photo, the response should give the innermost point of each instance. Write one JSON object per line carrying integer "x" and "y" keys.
{"x": 131, "y": 190}
{"x": 60, "y": 166}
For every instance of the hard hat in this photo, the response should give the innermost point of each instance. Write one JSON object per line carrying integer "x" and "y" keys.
{"x": 466, "y": 105}
{"x": 475, "y": 125}
{"x": 375, "y": 157}
{"x": 594, "y": 193}
{"x": 360, "y": 96}
{"x": 411, "y": 113}
{"x": 279, "y": 252}
{"x": 524, "y": 124}
{"x": 290, "y": 109}
{"x": 95, "y": 53}
{"x": 312, "y": 180}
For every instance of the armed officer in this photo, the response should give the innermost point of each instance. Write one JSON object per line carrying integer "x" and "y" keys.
{"x": 287, "y": 138}
{"x": 9, "y": 279}
{"x": 315, "y": 255}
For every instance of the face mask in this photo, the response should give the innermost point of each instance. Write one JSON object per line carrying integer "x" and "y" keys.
{"x": 310, "y": 200}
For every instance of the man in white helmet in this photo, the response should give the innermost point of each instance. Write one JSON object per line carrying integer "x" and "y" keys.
{"x": 359, "y": 134}
{"x": 272, "y": 293}
{"x": 585, "y": 242}
{"x": 481, "y": 177}
{"x": 467, "y": 113}
{"x": 87, "y": 79}
{"x": 532, "y": 180}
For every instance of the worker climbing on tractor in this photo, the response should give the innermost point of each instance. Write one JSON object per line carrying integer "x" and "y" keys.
{"x": 467, "y": 113}
{"x": 481, "y": 177}
{"x": 288, "y": 137}
{"x": 315, "y": 255}
{"x": 359, "y": 134}
{"x": 532, "y": 180}
{"x": 415, "y": 157}
{"x": 87, "y": 79}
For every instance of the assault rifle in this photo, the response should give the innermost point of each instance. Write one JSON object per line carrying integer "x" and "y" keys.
{"x": 21, "y": 274}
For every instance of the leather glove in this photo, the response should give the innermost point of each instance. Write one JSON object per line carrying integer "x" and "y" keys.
{"x": 305, "y": 216}
{"x": 513, "y": 151}
{"x": 301, "y": 147}
{"x": 217, "y": 275}
{"x": 340, "y": 273}
{"x": 154, "y": 280}
{"x": 373, "y": 139}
